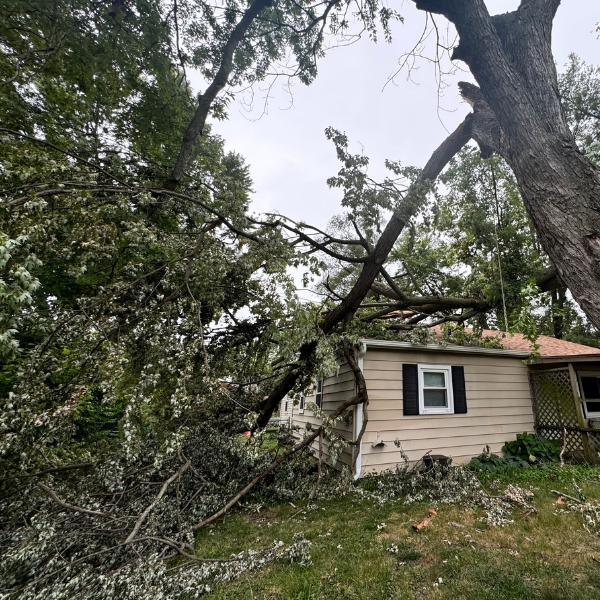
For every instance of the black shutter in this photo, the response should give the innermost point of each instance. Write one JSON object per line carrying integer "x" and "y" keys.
{"x": 590, "y": 387}
{"x": 410, "y": 390}
{"x": 458, "y": 390}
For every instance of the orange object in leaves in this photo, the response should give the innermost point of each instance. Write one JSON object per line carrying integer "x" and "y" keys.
{"x": 422, "y": 524}
{"x": 247, "y": 434}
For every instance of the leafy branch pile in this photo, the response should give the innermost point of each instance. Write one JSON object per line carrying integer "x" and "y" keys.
{"x": 439, "y": 484}
{"x": 116, "y": 527}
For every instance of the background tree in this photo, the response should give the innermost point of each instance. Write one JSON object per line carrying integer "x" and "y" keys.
{"x": 475, "y": 239}
{"x": 579, "y": 88}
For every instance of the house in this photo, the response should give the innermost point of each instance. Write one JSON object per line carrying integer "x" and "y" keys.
{"x": 455, "y": 400}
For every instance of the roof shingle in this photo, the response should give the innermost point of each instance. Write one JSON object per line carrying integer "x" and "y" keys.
{"x": 549, "y": 346}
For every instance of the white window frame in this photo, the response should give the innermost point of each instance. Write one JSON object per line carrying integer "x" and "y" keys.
{"x": 319, "y": 393}
{"x": 301, "y": 405}
{"x": 436, "y": 410}
{"x": 580, "y": 374}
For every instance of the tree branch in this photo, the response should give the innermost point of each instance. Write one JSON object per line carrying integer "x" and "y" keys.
{"x": 439, "y": 159}
{"x": 194, "y": 130}
{"x": 322, "y": 246}
{"x": 361, "y": 386}
{"x": 131, "y": 537}
{"x": 401, "y": 295}
{"x": 68, "y": 506}
{"x": 429, "y": 303}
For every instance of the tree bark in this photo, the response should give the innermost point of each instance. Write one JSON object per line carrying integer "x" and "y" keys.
{"x": 518, "y": 114}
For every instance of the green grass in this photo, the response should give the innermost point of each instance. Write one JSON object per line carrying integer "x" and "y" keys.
{"x": 542, "y": 556}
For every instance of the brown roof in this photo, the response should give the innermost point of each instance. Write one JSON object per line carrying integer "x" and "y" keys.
{"x": 548, "y": 346}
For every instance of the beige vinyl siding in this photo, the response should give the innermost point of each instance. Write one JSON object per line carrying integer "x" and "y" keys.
{"x": 287, "y": 416}
{"x": 498, "y": 407}
{"x": 335, "y": 391}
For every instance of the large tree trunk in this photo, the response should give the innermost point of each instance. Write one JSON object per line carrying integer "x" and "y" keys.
{"x": 518, "y": 114}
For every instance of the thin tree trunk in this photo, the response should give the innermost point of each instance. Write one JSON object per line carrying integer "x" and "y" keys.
{"x": 205, "y": 101}
{"x": 559, "y": 297}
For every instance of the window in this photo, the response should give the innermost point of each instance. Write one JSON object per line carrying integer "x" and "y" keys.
{"x": 286, "y": 406}
{"x": 435, "y": 390}
{"x": 589, "y": 386}
{"x": 301, "y": 406}
{"x": 319, "y": 393}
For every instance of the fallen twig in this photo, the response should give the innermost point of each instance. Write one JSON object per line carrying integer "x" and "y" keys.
{"x": 150, "y": 507}
{"x": 72, "y": 507}
{"x": 568, "y": 497}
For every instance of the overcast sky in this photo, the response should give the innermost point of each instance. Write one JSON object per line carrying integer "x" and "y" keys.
{"x": 286, "y": 148}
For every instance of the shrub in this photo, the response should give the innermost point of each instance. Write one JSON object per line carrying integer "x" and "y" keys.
{"x": 532, "y": 447}
{"x": 492, "y": 463}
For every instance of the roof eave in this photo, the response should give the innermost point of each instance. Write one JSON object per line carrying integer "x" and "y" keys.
{"x": 392, "y": 344}
{"x": 569, "y": 358}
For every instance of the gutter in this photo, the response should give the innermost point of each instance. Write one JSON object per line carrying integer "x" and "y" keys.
{"x": 358, "y": 413}
{"x": 392, "y": 344}
{"x": 573, "y": 358}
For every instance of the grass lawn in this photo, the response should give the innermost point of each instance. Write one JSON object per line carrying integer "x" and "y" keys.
{"x": 544, "y": 555}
